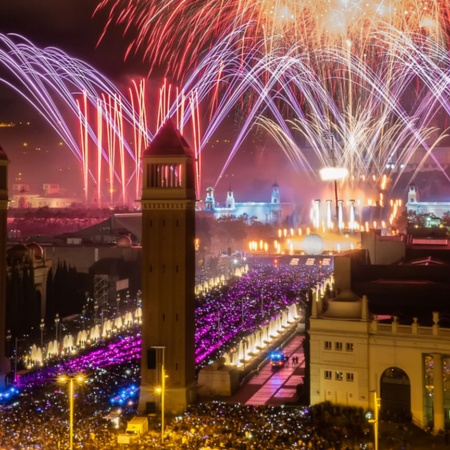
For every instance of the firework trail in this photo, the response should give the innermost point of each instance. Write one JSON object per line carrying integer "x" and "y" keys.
{"x": 373, "y": 73}
{"x": 363, "y": 105}
{"x": 181, "y": 32}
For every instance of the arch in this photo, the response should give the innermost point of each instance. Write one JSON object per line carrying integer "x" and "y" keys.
{"x": 395, "y": 390}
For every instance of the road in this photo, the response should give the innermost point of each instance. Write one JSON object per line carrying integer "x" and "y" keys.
{"x": 275, "y": 387}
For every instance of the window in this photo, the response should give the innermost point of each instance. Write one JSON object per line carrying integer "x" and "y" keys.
{"x": 349, "y": 346}
{"x": 338, "y": 346}
{"x": 327, "y": 345}
{"x": 339, "y": 376}
{"x": 349, "y": 376}
{"x": 328, "y": 375}
{"x": 164, "y": 175}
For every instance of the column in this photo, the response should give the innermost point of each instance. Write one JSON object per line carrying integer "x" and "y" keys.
{"x": 438, "y": 393}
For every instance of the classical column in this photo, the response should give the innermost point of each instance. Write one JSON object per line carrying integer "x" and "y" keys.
{"x": 438, "y": 393}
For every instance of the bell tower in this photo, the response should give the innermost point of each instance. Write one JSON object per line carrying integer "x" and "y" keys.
{"x": 275, "y": 199}
{"x": 4, "y": 363}
{"x": 168, "y": 272}
{"x": 230, "y": 202}
{"x": 413, "y": 195}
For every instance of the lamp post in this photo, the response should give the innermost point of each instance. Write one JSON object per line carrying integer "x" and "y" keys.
{"x": 163, "y": 386}
{"x": 57, "y": 320}
{"x": 8, "y": 340}
{"x": 376, "y": 404}
{"x": 70, "y": 379}
{"x": 42, "y": 326}
{"x": 15, "y": 358}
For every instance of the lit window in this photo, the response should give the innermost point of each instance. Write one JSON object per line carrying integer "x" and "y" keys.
{"x": 339, "y": 376}
{"x": 349, "y": 376}
{"x": 349, "y": 346}
{"x": 338, "y": 346}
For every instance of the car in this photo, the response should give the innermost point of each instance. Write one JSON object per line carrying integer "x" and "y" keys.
{"x": 277, "y": 360}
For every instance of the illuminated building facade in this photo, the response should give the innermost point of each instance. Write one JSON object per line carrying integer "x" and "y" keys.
{"x": 274, "y": 212}
{"x": 395, "y": 340}
{"x": 432, "y": 208}
{"x": 353, "y": 354}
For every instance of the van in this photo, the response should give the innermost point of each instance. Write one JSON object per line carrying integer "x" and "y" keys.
{"x": 137, "y": 425}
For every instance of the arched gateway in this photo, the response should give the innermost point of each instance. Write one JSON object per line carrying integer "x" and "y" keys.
{"x": 395, "y": 390}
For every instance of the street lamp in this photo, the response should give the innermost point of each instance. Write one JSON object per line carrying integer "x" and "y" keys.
{"x": 163, "y": 386}
{"x": 8, "y": 340}
{"x": 42, "y": 326}
{"x": 118, "y": 304}
{"x": 15, "y": 358}
{"x": 71, "y": 379}
{"x": 57, "y": 320}
{"x": 376, "y": 404}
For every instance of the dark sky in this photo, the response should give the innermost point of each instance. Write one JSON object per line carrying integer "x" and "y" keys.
{"x": 70, "y": 26}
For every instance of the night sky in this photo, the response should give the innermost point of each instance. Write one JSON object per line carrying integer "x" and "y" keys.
{"x": 70, "y": 26}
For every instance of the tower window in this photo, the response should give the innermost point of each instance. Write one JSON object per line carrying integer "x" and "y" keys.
{"x": 165, "y": 176}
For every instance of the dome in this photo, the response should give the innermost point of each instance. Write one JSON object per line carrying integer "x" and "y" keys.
{"x": 16, "y": 254}
{"x": 124, "y": 241}
{"x": 37, "y": 250}
{"x": 313, "y": 244}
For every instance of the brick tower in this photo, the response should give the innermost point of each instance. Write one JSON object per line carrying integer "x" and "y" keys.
{"x": 4, "y": 363}
{"x": 168, "y": 271}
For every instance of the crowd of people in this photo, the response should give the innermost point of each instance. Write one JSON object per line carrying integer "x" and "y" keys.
{"x": 224, "y": 315}
{"x": 39, "y": 420}
{"x": 38, "y": 417}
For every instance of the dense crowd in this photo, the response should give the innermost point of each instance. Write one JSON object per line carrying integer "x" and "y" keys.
{"x": 39, "y": 420}
{"x": 224, "y": 315}
{"x": 38, "y": 417}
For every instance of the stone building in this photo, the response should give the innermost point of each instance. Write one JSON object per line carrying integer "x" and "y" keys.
{"x": 385, "y": 329}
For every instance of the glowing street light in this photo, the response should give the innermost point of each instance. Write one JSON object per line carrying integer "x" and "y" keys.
{"x": 374, "y": 419}
{"x": 71, "y": 379}
{"x": 42, "y": 327}
{"x": 57, "y": 320}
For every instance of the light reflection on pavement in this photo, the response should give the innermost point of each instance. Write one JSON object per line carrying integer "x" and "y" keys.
{"x": 275, "y": 387}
